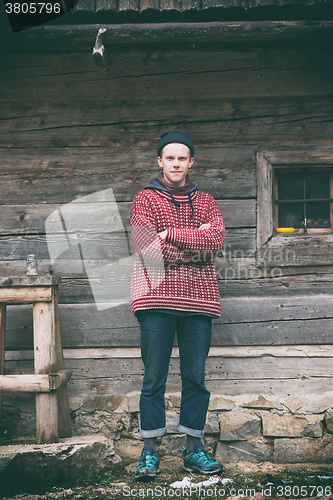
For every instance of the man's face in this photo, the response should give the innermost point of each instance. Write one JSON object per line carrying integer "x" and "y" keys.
{"x": 175, "y": 162}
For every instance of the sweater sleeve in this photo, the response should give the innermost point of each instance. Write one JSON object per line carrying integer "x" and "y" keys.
{"x": 194, "y": 240}
{"x": 147, "y": 243}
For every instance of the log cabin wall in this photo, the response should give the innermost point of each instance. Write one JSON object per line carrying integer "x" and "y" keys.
{"x": 70, "y": 128}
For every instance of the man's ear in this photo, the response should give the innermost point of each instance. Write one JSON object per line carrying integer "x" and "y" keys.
{"x": 191, "y": 162}
{"x": 159, "y": 161}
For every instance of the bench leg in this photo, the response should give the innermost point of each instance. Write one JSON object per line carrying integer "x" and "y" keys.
{"x": 2, "y": 347}
{"x": 45, "y": 362}
{"x": 64, "y": 419}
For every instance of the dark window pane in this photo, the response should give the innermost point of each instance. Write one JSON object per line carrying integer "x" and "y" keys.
{"x": 318, "y": 214}
{"x": 290, "y": 186}
{"x": 291, "y": 215}
{"x": 317, "y": 185}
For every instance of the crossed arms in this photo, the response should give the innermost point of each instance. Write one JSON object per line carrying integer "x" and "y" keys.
{"x": 178, "y": 245}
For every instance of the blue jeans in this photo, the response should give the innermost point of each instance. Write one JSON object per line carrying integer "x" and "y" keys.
{"x": 157, "y": 337}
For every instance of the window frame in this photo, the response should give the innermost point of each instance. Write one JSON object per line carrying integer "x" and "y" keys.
{"x": 303, "y": 169}
{"x": 281, "y": 249}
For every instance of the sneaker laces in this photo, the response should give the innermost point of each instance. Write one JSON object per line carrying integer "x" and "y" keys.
{"x": 148, "y": 461}
{"x": 202, "y": 458}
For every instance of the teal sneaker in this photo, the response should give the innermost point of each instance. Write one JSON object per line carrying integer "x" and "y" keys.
{"x": 201, "y": 462}
{"x": 148, "y": 465}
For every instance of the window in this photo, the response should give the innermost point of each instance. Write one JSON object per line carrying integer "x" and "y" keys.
{"x": 303, "y": 200}
{"x": 295, "y": 207}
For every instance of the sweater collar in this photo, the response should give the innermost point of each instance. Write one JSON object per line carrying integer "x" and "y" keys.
{"x": 162, "y": 185}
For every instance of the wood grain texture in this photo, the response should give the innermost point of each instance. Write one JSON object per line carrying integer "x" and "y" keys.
{"x": 25, "y": 294}
{"x": 244, "y": 321}
{"x": 230, "y": 269}
{"x": 291, "y": 351}
{"x": 304, "y": 375}
{"x": 2, "y": 348}
{"x": 81, "y": 38}
{"x": 35, "y": 174}
{"x": 34, "y": 383}
{"x": 45, "y": 361}
{"x": 16, "y": 218}
{"x": 246, "y": 99}
{"x": 304, "y": 250}
{"x": 64, "y": 419}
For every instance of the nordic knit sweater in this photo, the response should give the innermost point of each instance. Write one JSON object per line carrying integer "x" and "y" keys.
{"x": 179, "y": 272}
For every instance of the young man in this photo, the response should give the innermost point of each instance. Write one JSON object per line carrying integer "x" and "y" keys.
{"x": 176, "y": 231}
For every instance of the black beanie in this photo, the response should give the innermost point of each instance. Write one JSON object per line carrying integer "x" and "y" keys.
{"x": 174, "y": 136}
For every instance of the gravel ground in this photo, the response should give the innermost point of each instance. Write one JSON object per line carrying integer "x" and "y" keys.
{"x": 120, "y": 484}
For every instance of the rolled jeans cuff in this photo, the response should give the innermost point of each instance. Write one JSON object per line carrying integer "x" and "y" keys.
{"x": 190, "y": 432}
{"x": 153, "y": 433}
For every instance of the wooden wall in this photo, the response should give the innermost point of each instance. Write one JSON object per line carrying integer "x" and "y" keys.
{"x": 70, "y": 128}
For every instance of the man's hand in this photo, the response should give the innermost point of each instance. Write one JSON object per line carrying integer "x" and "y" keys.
{"x": 204, "y": 226}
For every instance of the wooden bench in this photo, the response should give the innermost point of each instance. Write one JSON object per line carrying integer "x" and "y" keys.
{"x": 50, "y": 377}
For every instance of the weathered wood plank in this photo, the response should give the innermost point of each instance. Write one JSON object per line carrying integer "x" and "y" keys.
{"x": 34, "y": 383}
{"x": 230, "y": 270}
{"x": 25, "y": 383}
{"x": 16, "y": 218}
{"x": 82, "y": 326}
{"x": 260, "y": 309}
{"x": 106, "y": 5}
{"x": 72, "y": 290}
{"x": 303, "y": 250}
{"x": 2, "y": 348}
{"x": 25, "y": 294}
{"x": 78, "y": 388}
{"x": 257, "y": 368}
{"x": 264, "y": 200}
{"x": 45, "y": 361}
{"x": 103, "y": 248}
{"x": 64, "y": 419}
{"x": 85, "y": 5}
{"x": 65, "y": 73}
{"x": 257, "y": 74}
{"x": 258, "y": 120}
{"x": 34, "y": 174}
{"x": 80, "y": 37}
{"x": 291, "y": 351}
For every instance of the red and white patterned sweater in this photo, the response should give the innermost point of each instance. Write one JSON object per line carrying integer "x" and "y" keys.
{"x": 179, "y": 272}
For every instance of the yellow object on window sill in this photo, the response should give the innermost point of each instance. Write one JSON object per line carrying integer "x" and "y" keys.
{"x": 285, "y": 229}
